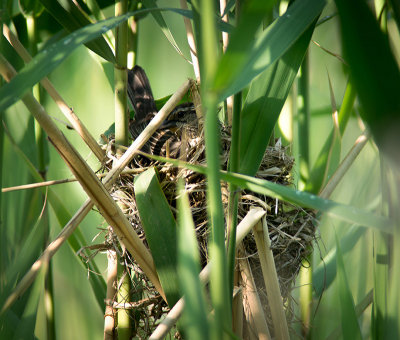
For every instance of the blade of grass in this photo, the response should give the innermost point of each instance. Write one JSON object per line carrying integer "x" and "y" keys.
{"x": 314, "y": 185}
{"x": 219, "y": 275}
{"x": 158, "y": 17}
{"x": 378, "y": 84}
{"x": 325, "y": 273}
{"x": 74, "y": 19}
{"x": 242, "y": 39}
{"x": 160, "y": 230}
{"x": 26, "y": 326}
{"x": 195, "y": 324}
{"x": 264, "y": 102}
{"x": 333, "y": 157}
{"x": 301, "y": 198}
{"x": 303, "y": 121}
{"x": 235, "y": 73}
{"x": 350, "y": 327}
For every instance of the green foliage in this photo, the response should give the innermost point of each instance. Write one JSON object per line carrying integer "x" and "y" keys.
{"x": 259, "y": 66}
{"x": 350, "y": 327}
{"x": 160, "y": 229}
{"x": 378, "y": 84}
{"x": 195, "y": 317}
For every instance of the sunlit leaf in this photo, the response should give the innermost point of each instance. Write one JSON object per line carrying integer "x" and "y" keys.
{"x": 196, "y": 325}
{"x": 239, "y": 65}
{"x": 74, "y": 19}
{"x": 264, "y": 102}
{"x": 160, "y": 229}
{"x": 340, "y": 211}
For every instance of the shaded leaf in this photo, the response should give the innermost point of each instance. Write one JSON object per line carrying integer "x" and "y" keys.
{"x": 377, "y": 83}
{"x": 325, "y": 273}
{"x": 350, "y": 327}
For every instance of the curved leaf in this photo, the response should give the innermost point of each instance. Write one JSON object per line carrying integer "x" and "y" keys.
{"x": 73, "y": 19}
{"x": 240, "y": 66}
{"x": 48, "y": 59}
{"x": 377, "y": 83}
{"x": 340, "y": 211}
{"x": 264, "y": 102}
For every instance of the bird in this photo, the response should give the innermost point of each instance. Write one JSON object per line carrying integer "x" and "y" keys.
{"x": 142, "y": 100}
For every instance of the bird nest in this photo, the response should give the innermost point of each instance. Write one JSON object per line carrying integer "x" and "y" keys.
{"x": 291, "y": 228}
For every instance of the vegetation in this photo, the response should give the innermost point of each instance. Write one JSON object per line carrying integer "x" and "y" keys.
{"x": 294, "y": 159}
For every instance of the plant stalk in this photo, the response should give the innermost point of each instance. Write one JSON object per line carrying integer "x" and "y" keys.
{"x": 120, "y": 77}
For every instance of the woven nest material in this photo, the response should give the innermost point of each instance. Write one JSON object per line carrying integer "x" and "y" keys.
{"x": 291, "y": 228}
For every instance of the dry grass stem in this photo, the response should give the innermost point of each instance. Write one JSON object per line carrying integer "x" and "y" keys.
{"x": 38, "y": 185}
{"x": 65, "y": 109}
{"x": 191, "y": 42}
{"x": 252, "y": 305}
{"x": 271, "y": 281}
{"x": 345, "y": 165}
{"x": 237, "y": 314}
{"x": 62, "y": 181}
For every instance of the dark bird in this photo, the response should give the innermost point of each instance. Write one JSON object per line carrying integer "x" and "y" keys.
{"x": 141, "y": 97}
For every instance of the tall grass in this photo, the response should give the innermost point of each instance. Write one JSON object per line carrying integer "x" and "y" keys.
{"x": 351, "y": 184}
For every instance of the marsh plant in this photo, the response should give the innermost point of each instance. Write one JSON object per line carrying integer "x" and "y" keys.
{"x": 199, "y": 169}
